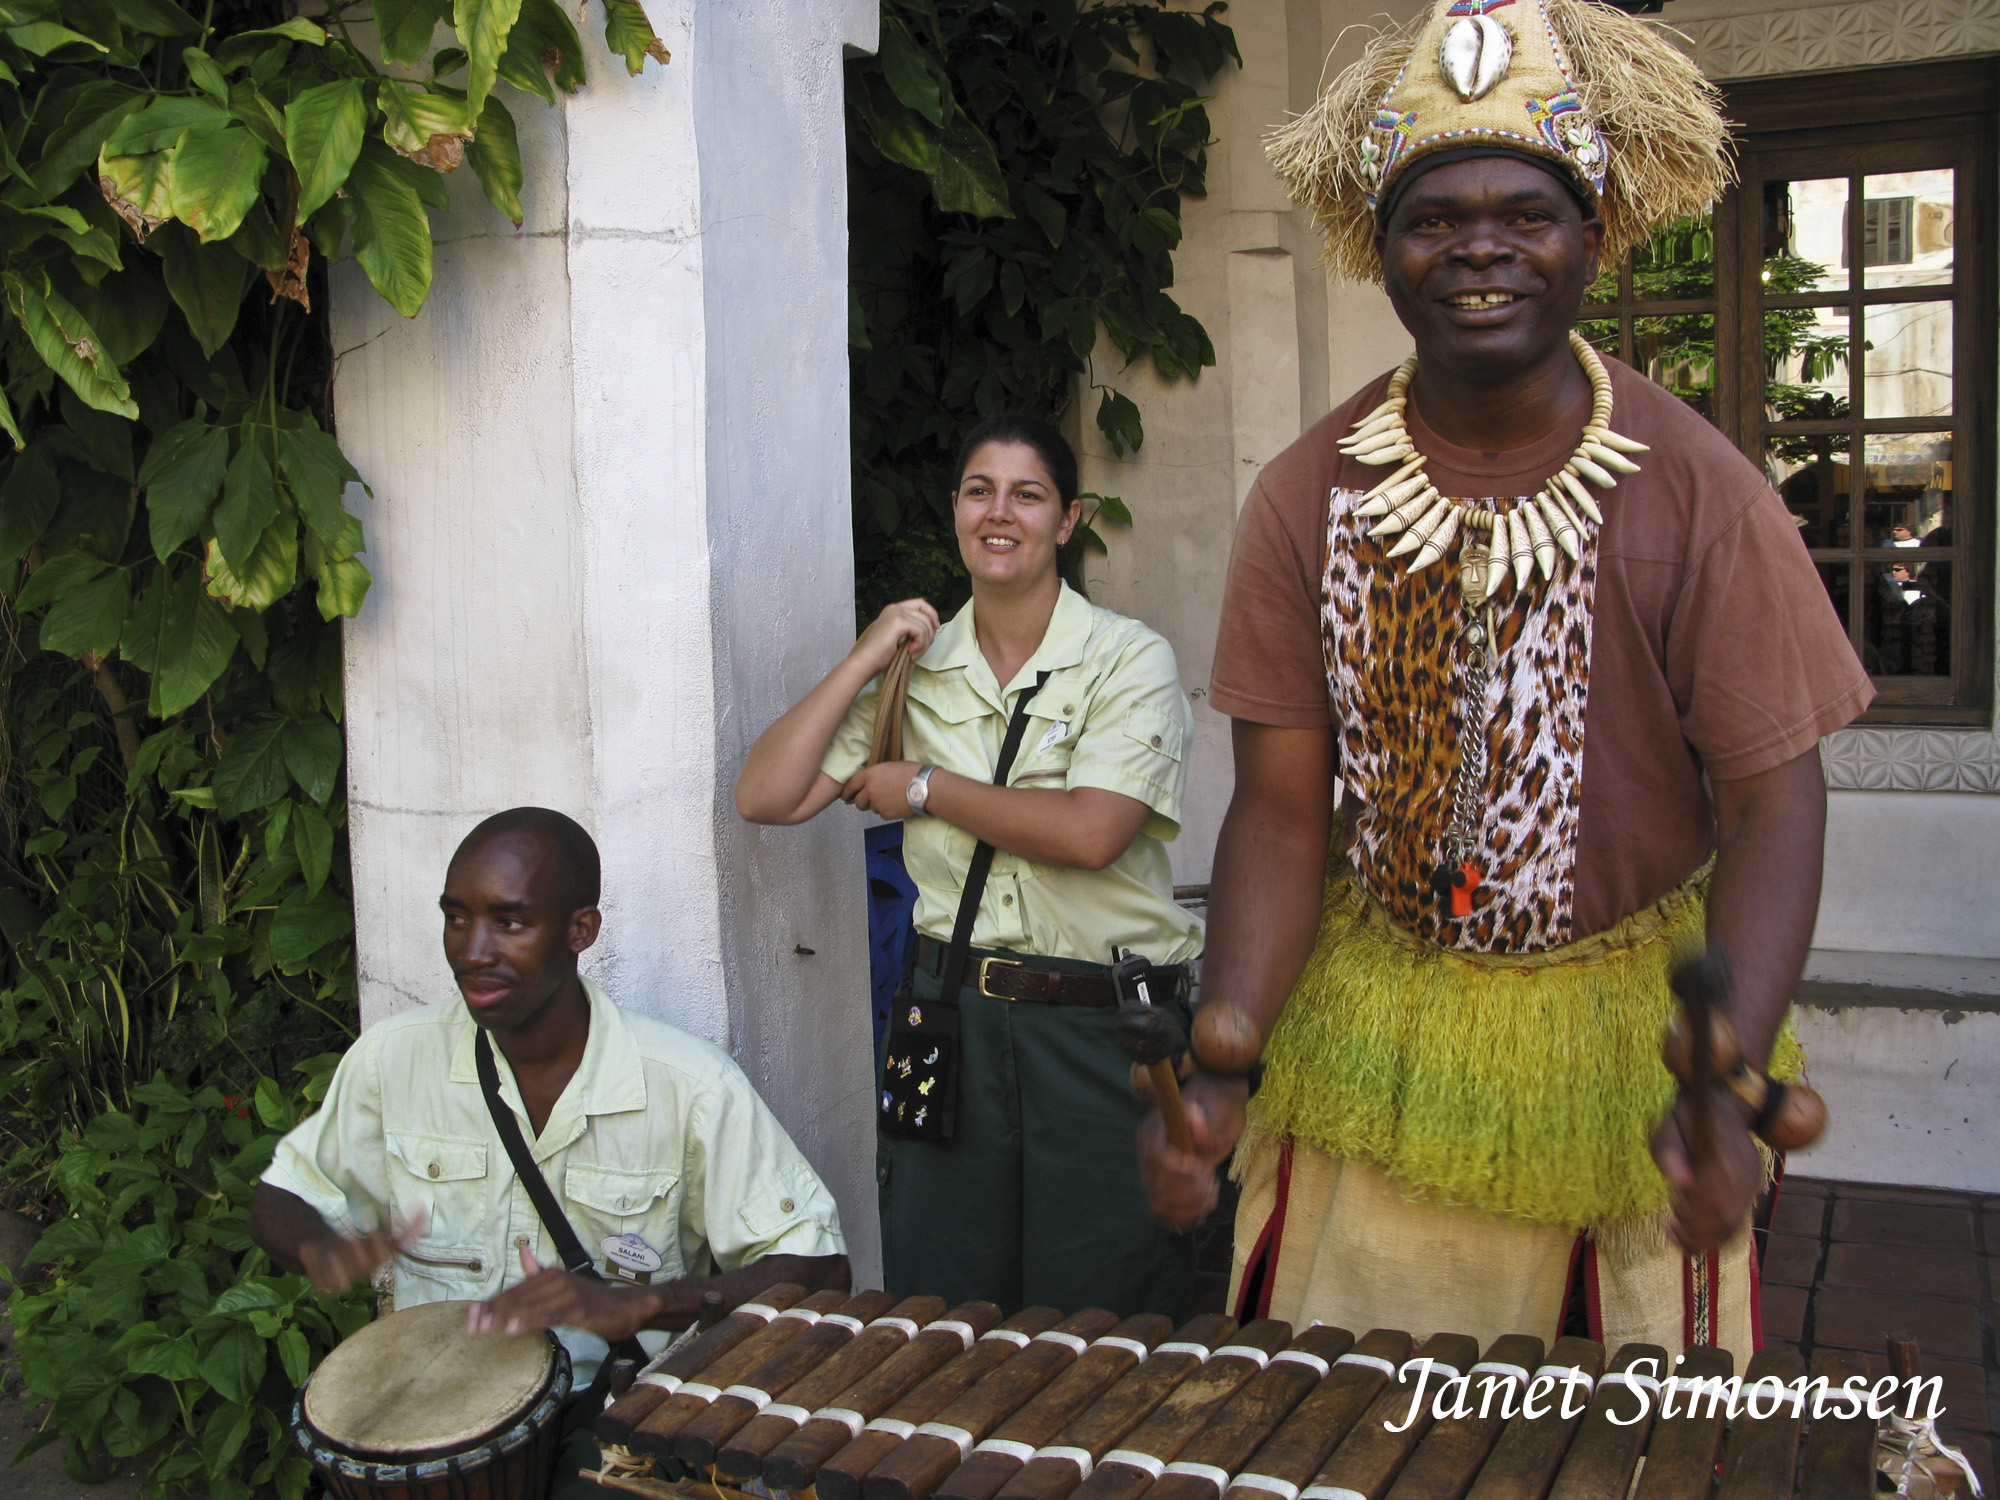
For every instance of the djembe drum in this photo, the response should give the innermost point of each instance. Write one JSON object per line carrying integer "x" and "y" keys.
{"x": 413, "y": 1408}
{"x": 855, "y": 1399}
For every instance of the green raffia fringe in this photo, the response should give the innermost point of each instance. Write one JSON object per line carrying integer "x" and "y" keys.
{"x": 1525, "y": 1085}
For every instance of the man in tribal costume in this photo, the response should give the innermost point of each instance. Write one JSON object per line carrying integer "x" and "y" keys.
{"x": 1562, "y": 651}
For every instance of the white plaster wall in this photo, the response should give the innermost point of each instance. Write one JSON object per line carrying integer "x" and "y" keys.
{"x": 610, "y": 535}
{"x": 1912, "y": 872}
{"x": 1909, "y": 1095}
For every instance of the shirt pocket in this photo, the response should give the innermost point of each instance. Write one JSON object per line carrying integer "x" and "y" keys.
{"x": 607, "y": 1201}
{"x": 437, "y": 1174}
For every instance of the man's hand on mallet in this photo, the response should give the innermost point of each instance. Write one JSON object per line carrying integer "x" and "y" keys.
{"x": 554, "y": 1298}
{"x": 334, "y": 1262}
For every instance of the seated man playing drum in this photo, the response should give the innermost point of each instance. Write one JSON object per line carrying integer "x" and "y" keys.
{"x": 653, "y": 1143}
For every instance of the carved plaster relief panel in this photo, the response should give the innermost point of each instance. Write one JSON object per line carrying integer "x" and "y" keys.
{"x": 1736, "y": 41}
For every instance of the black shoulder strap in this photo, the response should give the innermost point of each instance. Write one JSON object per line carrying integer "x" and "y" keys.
{"x": 982, "y": 853}
{"x": 576, "y": 1260}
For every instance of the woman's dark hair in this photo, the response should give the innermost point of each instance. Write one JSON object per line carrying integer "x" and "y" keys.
{"x": 1015, "y": 427}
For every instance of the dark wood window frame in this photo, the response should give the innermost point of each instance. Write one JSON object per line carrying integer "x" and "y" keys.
{"x": 1800, "y": 127}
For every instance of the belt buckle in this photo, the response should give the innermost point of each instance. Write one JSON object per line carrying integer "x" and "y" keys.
{"x": 985, "y": 965}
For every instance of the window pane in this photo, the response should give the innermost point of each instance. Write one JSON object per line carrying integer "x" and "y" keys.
{"x": 1676, "y": 263}
{"x": 1908, "y": 370}
{"x": 1678, "y": 353}
{"x": 1806, "y": 349}
{"x": 1605, "y": 288}
{"x": 1907, "y": 228}
{"x": 1811, "y": 475}
{"x": 1909, "y": 490}
{"x": 1805, "y": 236}
{"x": 1906, "y": 619}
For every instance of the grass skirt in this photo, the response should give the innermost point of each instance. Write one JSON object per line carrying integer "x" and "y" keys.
{"x": 1527, "y": 1085}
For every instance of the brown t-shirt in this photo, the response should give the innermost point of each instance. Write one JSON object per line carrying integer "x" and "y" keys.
{"x": 1712, "y": 647}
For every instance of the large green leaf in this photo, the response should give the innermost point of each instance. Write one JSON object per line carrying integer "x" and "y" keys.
{"x": 40, "y": 38}
{"x": 628, "y": 33}
{"x": 318, "y": 474}
{"x": 155, "y": 17}
{"x": 251, "y": 773}
{"x": 181, "y": 477}
{"x": 8, "y": 424}
{"x": 495, "y": 154}
{"x": 233, "y": 1364}
{"x": 246, "y": 45}
{"x": 27, "y": 500}
{"x": 896, "y": 130}
{"x": 312, "y": 753}
{"x": 90, "y": 618}
{"x": 968, "y": 178}
{"x": 411, "y": 117}
{"x": 94, "y": 112}
{"x": 405, "y": 27}
{"x": 343, "y": 580}
{"x": 162, "y": 123}
{"x": 482, "y": 27}
{"x": 543, "y": 45}
{"x": 301, "y": 926}
{"x": 268, "y": 576}
{"x": 207, "y": 283}
{"x": 127, "y": 308}
{"x": 323, "y": 129}
{"x": 392, "y": 233}
{"x": 917, "y": 81}
{"x": 67, "y": 344}
{"x": 57, "y": 577}
{"x": 216, "y": 173}
{"x": 250, "y": 500}
{"x": 312, "y": 843}
{"x": 183, "y": 638}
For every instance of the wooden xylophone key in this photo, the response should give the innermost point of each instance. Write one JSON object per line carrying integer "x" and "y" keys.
{"x": 695, "y": 1444}
{"x": 654, "y": 1436}
{"x": 1285, "y": 1465}
{"x": 1764, "y": 1439}
{"x": 1614, "y": 1431}
{"x": 1838, "y": 1462}
{"x": 794, "y": 1464}
{"x": 1531, "y": 1449}
{"x": 1127, "y": 1471}
{"x": 742, "y": 1456}
{"x": 1369, "y": 1458}
{"x": 928, "y": 1455}
{"x": 1687, "y": 1427}
{"x": 1205, "y": 1466}
{"x": 665, "y": 1375}
{"x": 1453, "y": 1451}
{"x": 1059, "y": 1467}
{"x": 840, "y": 1477}
{"x": 1000, "y": 1457}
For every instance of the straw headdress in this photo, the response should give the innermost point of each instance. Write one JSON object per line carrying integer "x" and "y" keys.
{"x": 1630, "y": 120}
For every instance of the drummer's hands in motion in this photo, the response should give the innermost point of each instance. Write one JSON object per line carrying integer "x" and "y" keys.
{"x": 1181, "y": 1189}
{"x": 554, "y": 1298}
{"x": 911, "y": 621}
{"x": 1711, "y": 1197}
{"x": 333, "y": 1262}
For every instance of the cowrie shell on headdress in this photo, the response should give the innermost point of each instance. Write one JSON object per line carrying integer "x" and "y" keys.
{"x": 1475, "y": 55}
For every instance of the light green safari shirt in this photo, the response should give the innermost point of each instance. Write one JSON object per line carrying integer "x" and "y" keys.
{"x": 1111, "y": 715}
{"x": 658, "y": 1135}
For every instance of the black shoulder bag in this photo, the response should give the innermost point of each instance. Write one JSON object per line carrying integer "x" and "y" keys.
{"x": 919, "y": 1095}
{"x": 576, "y": 1260}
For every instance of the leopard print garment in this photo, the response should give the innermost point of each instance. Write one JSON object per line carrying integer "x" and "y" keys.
{"x": 1395, "y": 667}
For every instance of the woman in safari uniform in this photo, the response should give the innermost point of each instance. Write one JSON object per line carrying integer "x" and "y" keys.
{"x": 1035, "y": 1198}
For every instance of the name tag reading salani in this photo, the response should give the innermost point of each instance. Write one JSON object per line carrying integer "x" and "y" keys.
{"x": 629, "y": 1258}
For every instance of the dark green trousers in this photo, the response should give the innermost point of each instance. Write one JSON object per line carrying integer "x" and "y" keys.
{"x": 1037, "y": 1199}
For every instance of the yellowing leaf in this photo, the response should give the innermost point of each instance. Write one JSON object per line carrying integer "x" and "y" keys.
{"x": 67, "y": 344}
{"x": 140, "y": 189}
{"x": 215, "y": 178}
{"x": 343, "y": 581}
{"x": 266, "y": 578}
{"x": 392, "y": 233}
{"x": 323, "y": 129}
{"x": 630, "y": 34}
{"x": 482, "y": 27}
{"x": 496, "y": 159}
{"x": 414, "y": 118}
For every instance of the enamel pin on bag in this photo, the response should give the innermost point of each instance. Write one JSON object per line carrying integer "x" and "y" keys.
{"x": 918, "y": 1097}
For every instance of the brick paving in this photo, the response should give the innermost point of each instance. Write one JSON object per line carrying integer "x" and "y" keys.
{"x": 1847, "y": 1262}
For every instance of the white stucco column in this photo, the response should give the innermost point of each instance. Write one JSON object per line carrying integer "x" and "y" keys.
{"x": 611, "y": 541}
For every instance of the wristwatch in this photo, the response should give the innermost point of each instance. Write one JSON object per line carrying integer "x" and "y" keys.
{"x": 919, "y": 792}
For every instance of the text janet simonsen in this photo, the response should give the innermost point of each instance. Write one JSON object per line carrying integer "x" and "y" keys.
{"x": 1725, "y": 1395}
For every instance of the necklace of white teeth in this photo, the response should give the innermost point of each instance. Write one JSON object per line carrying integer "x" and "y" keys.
{"x": 1522, "y": 538}
{"x": 1517, "y": 540}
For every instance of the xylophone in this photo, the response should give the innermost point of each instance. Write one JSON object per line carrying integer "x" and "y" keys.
{"x": 858, "y": 1398}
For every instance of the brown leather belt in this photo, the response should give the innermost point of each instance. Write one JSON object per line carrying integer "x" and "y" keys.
{"x": 999, "y": 977}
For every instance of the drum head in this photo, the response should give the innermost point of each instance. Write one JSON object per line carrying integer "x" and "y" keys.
{"x": 416, "y": 1382}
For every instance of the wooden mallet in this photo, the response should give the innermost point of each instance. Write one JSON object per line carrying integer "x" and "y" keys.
{"x": 1701, "y": 1046}
{"x": 1152, "y": 1039}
